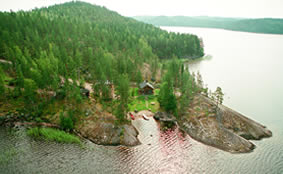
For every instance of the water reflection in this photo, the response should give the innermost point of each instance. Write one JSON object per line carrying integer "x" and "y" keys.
{"x": 160, "y": 152}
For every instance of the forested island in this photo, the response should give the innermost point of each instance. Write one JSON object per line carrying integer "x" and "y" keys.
{"x": 78, "y": 67}
{"x": 264, "y": 25}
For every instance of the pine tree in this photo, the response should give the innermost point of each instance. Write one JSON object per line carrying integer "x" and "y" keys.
{"x": 19, "y": 81}
{"x": 167, "y": 98}
{"x": 29, "y": 91}
{"x": 186, "y": 92}
{"x": 123, "y": 91}
{"x": 105, "y": 91}
{"x": 2, "y": 84}
{"x": 139, "y": 77}
{"x": 218, "y": 96}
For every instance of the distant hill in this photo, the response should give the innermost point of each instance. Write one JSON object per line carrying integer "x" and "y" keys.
{"x": 264, "y": 25}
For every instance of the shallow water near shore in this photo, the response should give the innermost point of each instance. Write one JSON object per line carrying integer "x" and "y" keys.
{"x": 247, "y": 66}
{"x": 160, "y": 152}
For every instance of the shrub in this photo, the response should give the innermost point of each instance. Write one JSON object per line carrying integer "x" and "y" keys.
{"x": 66, "y": 122}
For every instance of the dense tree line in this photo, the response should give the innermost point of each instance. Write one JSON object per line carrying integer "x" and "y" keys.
{"x": 177, "y": 81}
{"x": 58, "y": 48}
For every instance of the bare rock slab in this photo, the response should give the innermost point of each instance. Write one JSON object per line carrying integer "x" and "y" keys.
{"x": 105, "y": 133}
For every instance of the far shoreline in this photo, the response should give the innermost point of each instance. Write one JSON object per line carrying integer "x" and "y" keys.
{"x": 239, "y": 31}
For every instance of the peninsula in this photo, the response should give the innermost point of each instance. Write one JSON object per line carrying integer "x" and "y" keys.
{"x": 81, "y": 68}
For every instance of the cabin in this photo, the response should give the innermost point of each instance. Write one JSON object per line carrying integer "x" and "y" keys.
{"x": 146, "y": 88}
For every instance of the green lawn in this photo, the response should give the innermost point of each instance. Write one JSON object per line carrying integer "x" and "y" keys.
{"x": 139, "y": 101}
{"x": 134, "y": 92}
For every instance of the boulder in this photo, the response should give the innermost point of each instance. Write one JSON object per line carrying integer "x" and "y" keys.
{"x": 167, "y": 120}
{"x": 164, "y": 116}
{"x": 130, "y": 136}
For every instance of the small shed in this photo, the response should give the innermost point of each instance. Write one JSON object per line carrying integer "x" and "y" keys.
{"x": 146, "y": 88}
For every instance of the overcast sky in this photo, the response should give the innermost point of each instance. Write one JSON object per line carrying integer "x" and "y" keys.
{"x": 223, "y": 8}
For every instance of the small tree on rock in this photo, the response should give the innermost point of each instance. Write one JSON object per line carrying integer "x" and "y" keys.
{"x": 218, "y": 96}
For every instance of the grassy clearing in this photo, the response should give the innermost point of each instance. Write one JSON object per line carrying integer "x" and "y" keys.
{"x": 134, "y": 92}
{"x": 53, "y": 135}
{"x": 156, "y": 92}
{"x": 139, "y": 102}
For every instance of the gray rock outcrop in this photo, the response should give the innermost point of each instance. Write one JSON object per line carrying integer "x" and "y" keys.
{"x": 105, "y": 133}
{"x": 221, "y": 127}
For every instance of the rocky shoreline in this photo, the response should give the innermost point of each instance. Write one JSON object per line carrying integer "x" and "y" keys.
{"x": 106, "y": 133}
{"x": 220, "y": 127}
{"x": 226, "y": 129}
{"x": 102, "y": 133}
{"x": 99, "y": 132}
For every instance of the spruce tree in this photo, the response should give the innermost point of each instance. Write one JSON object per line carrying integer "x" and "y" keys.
{"x": 139, "y": 77}
{"x": 218, "y": 96}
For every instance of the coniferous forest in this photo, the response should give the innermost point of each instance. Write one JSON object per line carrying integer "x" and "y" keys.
{"x": 45, "y": 51}
{"x": 80, "y": 73}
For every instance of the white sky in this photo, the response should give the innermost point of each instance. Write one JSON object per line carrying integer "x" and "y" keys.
{"x": 223, "y": 8}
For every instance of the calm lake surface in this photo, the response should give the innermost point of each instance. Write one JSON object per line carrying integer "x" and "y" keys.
{"x": 248, "y": 67}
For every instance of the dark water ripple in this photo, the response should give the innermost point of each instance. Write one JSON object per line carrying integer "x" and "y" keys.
{"x": 161, "y": 152}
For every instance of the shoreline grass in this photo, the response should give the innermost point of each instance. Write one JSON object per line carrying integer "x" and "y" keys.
{"x": 51, "y": 134}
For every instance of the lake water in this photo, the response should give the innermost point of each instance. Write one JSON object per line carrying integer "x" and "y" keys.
{"x": 249, "y": 69}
